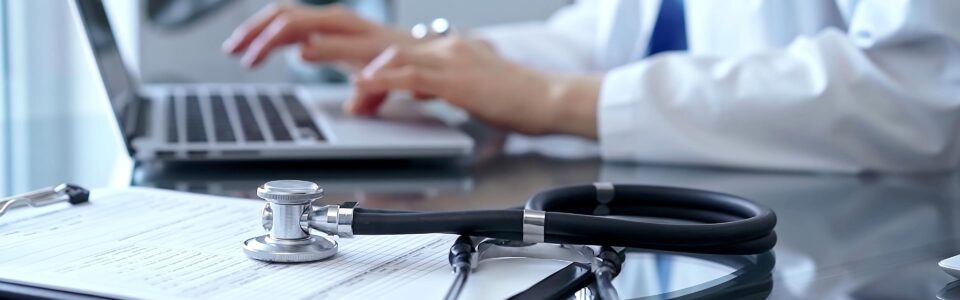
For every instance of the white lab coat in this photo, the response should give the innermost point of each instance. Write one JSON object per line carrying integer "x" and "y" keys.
{"x": 825, "y": 85}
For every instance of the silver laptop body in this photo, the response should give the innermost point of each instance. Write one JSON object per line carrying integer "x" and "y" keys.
{"x": 249, "y": 122}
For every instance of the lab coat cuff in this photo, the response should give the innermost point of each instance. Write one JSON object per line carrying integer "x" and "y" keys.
{"x": 631, "y": 121}
{"x": 616, "y": 118}
{"x": 641, "y": 121}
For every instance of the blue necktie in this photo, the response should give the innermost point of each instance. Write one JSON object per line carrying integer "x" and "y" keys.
{"x": 670, "y": 30}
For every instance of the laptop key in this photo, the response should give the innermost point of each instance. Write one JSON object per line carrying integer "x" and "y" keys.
{"x": 196, "y": 132}
{"x": 221, "y": 120}
{"x": 172, "y": 134}
{"x": 251, "y": 131}
{"x": 301, "y": 118}
{"x": 144, "y": 115}
{"x": 279, "y": 130}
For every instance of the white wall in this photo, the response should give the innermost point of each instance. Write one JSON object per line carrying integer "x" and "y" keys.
{"x": 60, "y": 128}
{"x": 5, "y": 171}
{"x": 194, "y": 54}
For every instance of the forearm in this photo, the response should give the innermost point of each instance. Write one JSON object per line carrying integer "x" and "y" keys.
{"x": 569, "y": 103}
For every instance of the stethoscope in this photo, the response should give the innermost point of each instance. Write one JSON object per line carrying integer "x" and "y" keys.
{"x": 601, "y": 214}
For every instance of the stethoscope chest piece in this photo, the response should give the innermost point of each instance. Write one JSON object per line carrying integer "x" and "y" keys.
{"x": 288, "y": 240}
{"x": 312, "y": 248}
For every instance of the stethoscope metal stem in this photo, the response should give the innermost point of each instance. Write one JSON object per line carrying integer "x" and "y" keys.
{"x": 286, "y": 230}
{"x": 606, "y": 267}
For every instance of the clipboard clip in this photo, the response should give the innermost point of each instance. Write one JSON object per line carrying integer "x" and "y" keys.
{"x": 55, "y": 194}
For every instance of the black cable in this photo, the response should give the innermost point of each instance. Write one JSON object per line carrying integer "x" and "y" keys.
{"x": 460, "y": 257}
{"x": 715, "y": 223}
{"x": 609, "y": 264}
{"x": 604, "y": 286}
{"x": 456, "y": 222}
{"x": 459, "y": 281}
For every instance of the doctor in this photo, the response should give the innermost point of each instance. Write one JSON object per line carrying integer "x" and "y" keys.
{"x": 827, "y": 85}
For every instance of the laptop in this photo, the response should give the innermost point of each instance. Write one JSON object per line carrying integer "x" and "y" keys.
{"x": 183, "y": 122}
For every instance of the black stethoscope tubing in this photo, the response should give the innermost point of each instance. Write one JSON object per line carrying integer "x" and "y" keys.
{"x": 713, "y": 223}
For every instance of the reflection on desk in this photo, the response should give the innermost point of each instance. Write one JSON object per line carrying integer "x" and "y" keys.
{"x": 368, "y": 182}
{"x": 840, "y": 236}
{"x": 659, "y": 275}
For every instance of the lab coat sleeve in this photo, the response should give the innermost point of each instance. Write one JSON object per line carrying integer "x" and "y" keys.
{"x": 564, "y": 43}
{"x": 884, "y": 96}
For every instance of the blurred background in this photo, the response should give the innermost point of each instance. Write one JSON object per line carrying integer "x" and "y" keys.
{"x": 54, "y": 118}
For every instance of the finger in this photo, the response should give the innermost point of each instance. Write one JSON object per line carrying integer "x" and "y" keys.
{"x": 279, "y": 32}
{"x": 423, "y": 96}
{"x": 367, "y": 104}
{"x": 332, "y": 18}
{"x": 330, "y": 47}
{"x": 364, "y": 104}
{"x": 396, "y": 57}
{"x": 370, "y": 92}
{"x": 335, "y": 19}
{"x": 250, "y": 29}
{"x": 409, "y": 77}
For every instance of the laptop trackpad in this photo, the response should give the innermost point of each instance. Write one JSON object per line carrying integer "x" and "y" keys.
{"x": 401, "y": 121}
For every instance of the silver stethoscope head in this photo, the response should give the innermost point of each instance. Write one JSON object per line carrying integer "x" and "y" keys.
{"x": 289, "y": 202}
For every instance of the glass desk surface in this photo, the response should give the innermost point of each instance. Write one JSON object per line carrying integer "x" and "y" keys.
{"x": 864, "y": 236}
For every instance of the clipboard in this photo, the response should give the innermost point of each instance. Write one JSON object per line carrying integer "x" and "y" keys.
{"x": 572, "y": 278}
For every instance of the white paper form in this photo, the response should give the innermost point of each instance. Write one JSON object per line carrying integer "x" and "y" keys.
{"x": 147, "y": 243}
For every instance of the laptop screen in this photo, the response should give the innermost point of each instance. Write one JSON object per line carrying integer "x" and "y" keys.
{"x": 116, "y": 78}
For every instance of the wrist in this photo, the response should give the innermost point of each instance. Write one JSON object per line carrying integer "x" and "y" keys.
{"x": 573, "y": 100}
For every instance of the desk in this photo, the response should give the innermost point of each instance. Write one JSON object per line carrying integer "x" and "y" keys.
{"x": 840, "y": 236}
{"x": 862, "y": 237}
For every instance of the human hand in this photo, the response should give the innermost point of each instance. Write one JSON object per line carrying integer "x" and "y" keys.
{"x": 471, "y": 75}
{"x": 330, "y": 33}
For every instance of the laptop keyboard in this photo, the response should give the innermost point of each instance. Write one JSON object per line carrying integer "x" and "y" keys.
{"x": 221, "y": 120}
{"x": 195, "y": 128}
{"x": 217, "y": 111}
{"x": 251, "y": 129}
{"x": 277, "y": 127}
{"x": 172, "y": 134}
{"x": 301, "y": 119}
